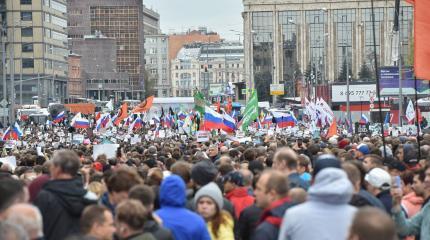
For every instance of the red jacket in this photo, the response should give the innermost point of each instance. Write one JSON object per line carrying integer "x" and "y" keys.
{"x": 240, "y": 199}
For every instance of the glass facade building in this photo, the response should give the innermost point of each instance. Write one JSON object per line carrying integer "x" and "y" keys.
{"x": 309, "y": 44}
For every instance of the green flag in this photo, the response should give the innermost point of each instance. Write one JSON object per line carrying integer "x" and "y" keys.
{"x": 251, "y": 111}
{"x": 199, "y": 101}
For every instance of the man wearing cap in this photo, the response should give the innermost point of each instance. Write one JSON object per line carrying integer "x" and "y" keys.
{"x": 378, "y": 184}
{"x": 236, "y": 193}
{"x": 362, "y": 149}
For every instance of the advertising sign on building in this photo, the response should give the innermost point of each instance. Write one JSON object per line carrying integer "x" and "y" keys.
{"x": 357, "y": 92}
{"x": 277, "y": 89}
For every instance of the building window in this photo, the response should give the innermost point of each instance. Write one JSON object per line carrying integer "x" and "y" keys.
{"x": 27, "y": 32}
{"x": 26, "y": 16}
{"x": 59, "y": 6}
{"x": 27, "y": 47}
{"x": 25, "y": 2}
{"x": 27, "y": 63}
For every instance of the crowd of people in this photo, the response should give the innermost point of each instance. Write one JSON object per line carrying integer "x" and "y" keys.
{"x": 280, "y": 187}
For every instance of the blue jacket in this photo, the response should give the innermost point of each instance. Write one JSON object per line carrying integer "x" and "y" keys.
{"x": 184, "y": 224}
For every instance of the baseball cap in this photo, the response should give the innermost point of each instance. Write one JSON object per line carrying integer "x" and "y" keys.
{"x": 363, "y": 148}
{"x": 379, "y": 178}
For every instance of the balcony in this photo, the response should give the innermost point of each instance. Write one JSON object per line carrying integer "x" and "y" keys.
{"x": 108, "y": 86}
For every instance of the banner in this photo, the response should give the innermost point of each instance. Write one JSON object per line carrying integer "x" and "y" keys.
{"x": 251, "y": 111}
{"x": 108, "y": 149}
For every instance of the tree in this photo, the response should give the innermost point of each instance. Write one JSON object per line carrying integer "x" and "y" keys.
{"x": 365, "y": 73}
{"x": 410, "y": 59}
{"x": 343, "y": 72}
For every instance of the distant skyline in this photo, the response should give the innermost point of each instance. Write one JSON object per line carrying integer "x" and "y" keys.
{"x": 219, "y": 16}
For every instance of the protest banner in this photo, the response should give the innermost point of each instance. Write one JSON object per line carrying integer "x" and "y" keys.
{"x": 108, "y": 149}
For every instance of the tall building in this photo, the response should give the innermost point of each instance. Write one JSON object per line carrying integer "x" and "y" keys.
{"x": 35, "y": 38}
{"x": 99, "y": 68}
{"x": 209, "y": 67}
{"x": 121, "y": 21}
{"x": 157, "y": 64}
{"x": 316, "y": 43}
{"x": 151, "y": 21}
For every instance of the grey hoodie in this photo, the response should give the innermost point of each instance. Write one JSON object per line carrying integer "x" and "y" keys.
{"x": 326, "y": 214}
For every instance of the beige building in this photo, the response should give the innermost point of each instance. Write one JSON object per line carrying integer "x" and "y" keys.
{"x": 37, "y": 42}
{"x": 315, "y": 42}
{"x": 211, "y": 68}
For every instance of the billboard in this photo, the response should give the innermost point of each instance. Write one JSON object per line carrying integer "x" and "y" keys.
{"x": 357, "y": 92}
{"x": 389, "y": 79}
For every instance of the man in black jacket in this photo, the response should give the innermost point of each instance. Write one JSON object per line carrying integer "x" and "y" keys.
{"x": 63, "y": 198}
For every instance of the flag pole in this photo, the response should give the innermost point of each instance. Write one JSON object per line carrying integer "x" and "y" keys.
{"x": 417, "y": 119}
{"x": 378, "y": 88}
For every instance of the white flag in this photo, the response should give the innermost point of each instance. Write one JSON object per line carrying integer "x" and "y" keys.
{"x": 109, "y": 105}
{"x": 410, "y": 111}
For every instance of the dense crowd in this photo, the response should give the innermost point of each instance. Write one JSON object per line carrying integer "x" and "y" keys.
{"x": 279, "y": 187}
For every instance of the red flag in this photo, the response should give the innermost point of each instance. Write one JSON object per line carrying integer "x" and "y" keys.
{"x": 144, "y": 106}
{"x": 122, "y": 114}
{"x": 98, "y": 115}
{"x": 422, "y": 38}
{"x": 229, "y": 106}
{"x": 332, "y": 130}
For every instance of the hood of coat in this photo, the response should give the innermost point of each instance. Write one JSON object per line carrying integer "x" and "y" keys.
{"x": 331, "y": 186}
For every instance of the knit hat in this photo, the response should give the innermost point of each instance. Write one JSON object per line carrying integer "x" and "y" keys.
{"x": 234, "y": 177}
{"x": 210, "y": 190}
{"x": 326, "y": 161}
{"x": 379, "y": 178}
{"x": 363, "y": 148}
{"x": 203, "y": 172}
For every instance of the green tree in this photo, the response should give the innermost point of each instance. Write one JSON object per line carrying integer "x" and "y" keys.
{"x": 410, "y": 59}
{"x": 365, "y": 73}
{"x": 343, "y": 72}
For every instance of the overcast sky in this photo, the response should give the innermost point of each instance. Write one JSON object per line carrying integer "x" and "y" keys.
{"x": 218, "y": 15}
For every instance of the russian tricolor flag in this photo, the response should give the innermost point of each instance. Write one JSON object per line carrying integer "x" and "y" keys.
{"x": 182, "y": 115}
{"x": 363, "y": 119}
{"x": 229, "y": 124}
{"x": 136, "y": 124}
{"x": 213, "y": 120}
{"x": 81, "y": 123}
{"x": 284, "y": 120}
{"x": 13, "y": 132}
{"x": 267, "y": 119}
{"x": 59, "y": 118}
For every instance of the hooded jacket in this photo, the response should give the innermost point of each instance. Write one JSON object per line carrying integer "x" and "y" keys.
{"x": 326, "y": 214}
{"x": 61, "y": 203}
{"x": 183, "y": 223}
{"x": 412, "y": 204}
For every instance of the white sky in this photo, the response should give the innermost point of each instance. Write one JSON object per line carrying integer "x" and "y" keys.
{"x": 217, "y": 15}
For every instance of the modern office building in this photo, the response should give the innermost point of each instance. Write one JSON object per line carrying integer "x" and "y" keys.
{"x": 35, "y": 39}
{"x": 209, "y": 67}
{"x": 151, "y": 21}
{"x": 121, "y": 21}
{"x": 315, "y": 43}
{"x": 157, "y": 64}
